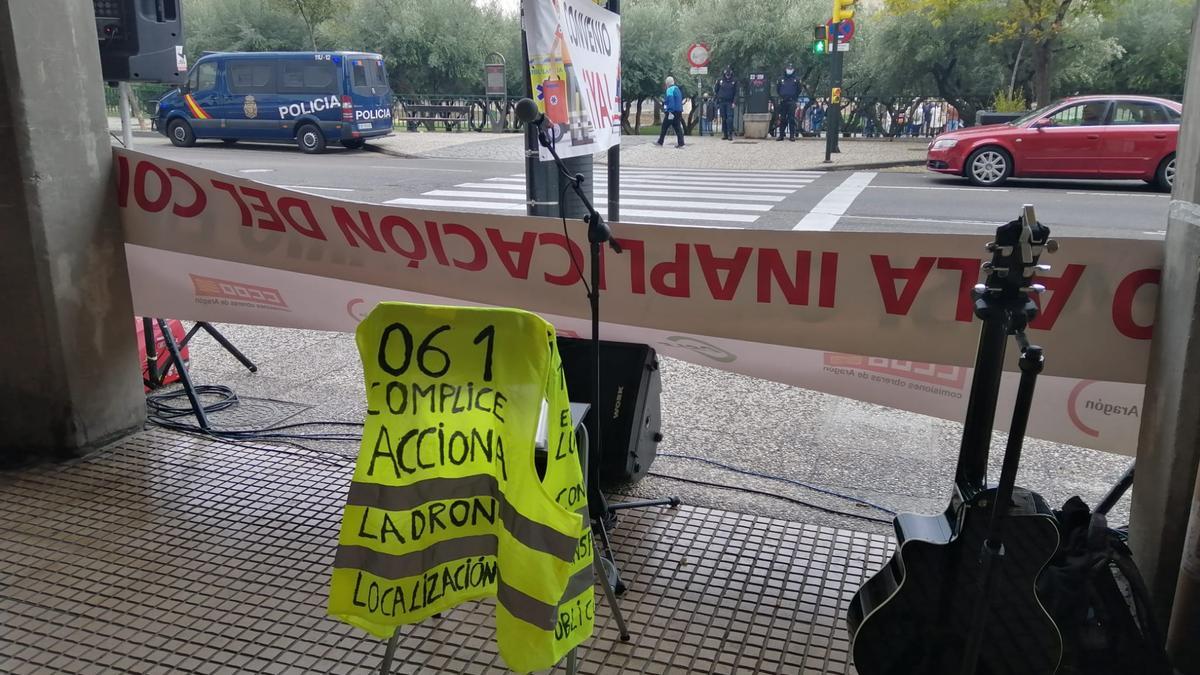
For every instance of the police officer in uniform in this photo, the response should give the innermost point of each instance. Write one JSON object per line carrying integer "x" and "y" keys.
{"x": 727, "y": 90}
{"x": 788, "y": 90}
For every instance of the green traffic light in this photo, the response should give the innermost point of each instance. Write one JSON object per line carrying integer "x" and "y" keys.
{"x": 819, "y": 47}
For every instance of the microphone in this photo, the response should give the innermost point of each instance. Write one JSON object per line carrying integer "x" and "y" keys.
{"x": 527, "y": 112}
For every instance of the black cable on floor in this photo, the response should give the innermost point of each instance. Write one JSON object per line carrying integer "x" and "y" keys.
{"x": 793, "y": 500}
{"x": 781, "y": 479}
{"x": 164, "y": 412}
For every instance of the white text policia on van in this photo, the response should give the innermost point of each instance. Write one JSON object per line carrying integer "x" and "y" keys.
{"x": 328, "y": 103}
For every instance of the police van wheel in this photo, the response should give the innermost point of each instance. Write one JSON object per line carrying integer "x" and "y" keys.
{"x": 310, "y": 139}
{"x": 354, "y": 143}
{"x": 180, "y": 133}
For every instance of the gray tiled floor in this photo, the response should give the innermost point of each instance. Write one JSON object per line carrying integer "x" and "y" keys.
{"x": 174, "y": 554}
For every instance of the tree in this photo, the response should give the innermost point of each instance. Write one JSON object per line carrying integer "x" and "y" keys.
{"x": 650, "y": 34}
{"x": 430, "y": 47}
{"x": 906, "y": 58}
{"x": 1040, "y": 24}
{"x": 241, "y": 26}
{"x": 313, "y": 13}
{"x": 1154, "y": 38}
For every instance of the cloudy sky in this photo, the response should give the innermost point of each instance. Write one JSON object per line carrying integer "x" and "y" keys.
{"x": 509, "y": 6}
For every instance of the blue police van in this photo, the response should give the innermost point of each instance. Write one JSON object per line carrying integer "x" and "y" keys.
{"x": 309, "y": 98}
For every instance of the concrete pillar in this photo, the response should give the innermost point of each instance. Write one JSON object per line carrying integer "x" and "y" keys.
{"x": 69, "y": 374}
{"x": 1182, "y": 643}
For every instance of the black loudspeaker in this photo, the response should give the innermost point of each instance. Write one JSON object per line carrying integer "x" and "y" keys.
{"x": 630, "y": 403}
{"x": 140, "y": 40}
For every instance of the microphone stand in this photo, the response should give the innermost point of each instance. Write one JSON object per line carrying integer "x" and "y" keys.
{"x": 603, "y": 513}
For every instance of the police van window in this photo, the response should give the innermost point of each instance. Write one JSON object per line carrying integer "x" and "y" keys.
{"x": 368, "y": 73}
{"x": 307, "y": 77}
{"x": 251, "y": 77}
{"x": 204, "y": 77}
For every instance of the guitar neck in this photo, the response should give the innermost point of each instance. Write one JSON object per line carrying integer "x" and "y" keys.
{"x": 971, "y": 472}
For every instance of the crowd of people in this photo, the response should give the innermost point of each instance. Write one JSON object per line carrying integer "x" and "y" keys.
{"x": 794, "y": 112}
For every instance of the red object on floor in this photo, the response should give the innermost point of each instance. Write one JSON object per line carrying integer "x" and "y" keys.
{"x": 163, "y": 355}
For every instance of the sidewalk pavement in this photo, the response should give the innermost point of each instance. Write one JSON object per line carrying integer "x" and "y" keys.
{"x": 706, "y": 152}
{"x": 896, "y": 459}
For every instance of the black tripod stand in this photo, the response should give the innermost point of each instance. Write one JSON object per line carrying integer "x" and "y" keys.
{"x": 603, "y": 513}
{"x": 156, "y": 376}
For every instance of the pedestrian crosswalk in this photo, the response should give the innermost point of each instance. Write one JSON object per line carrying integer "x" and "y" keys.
{"x": 648, "y": 195}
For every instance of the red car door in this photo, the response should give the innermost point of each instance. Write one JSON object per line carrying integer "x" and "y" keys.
{"x": 1065, "y": 143}
{"x": 1138, "y": 136}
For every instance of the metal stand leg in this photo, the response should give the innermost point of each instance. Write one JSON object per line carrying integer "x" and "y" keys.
{"x": 572, "y": 662}
{"x": 666, "y": 501}
{"x": 222, "y": 340}
{"x": 184, "y": 378}
{"x": 607, "y": 571}
{"x": 385, "y": 668}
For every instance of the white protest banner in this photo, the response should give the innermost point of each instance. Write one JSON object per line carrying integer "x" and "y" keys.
{"x": 575, "y": 67}
{"x": 795, "y": 307}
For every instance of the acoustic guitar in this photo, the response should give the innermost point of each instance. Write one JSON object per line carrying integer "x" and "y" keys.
{"x": 958, "y": 597}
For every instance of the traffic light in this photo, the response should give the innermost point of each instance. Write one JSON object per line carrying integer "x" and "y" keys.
{"x": 843, "y": 10}
{"x": 820, "y": 39}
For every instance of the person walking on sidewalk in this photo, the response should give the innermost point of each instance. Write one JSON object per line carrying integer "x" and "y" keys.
{"x": 672, "y": 112}
{"x": 788, "y": 90}
{"x": 727, "y": 89}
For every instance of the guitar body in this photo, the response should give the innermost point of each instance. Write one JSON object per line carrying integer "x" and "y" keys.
{"x": 914, "y": 615}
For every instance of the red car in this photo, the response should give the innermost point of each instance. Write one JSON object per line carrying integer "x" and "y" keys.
{"x": 1111, "y": 137}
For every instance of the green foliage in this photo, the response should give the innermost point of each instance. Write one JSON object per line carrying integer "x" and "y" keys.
{"x": 313, "y": 13}
{"x": 960, "y": 50}
{"x": 241, "y": 26}
{"x": 650, "y": 37}
{"x": 1154, "y": 37}
{"x": 1009, "y": 104}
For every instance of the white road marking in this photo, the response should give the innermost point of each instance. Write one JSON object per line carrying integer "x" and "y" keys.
{"x": 454, "y": 204}
{"x": 666, "y": 204}
{"x": 720, "y": 180}
{"x": 636, "y": 192}
{"x": 1119, "y": 194}
{"x": 314, "y": 187}
{"x": 629, "y": 170}
{"x": 731, "y": 217}
{"x": 668, "y": 185}
{"x": 255, "y": 170}
{"x": 922, "y": 187}
{"x": 946, "y": 221}
{"x": 422, "y": 168}
{"x": 825, "y": 214}
{"x": 520, "y": 196}
{"x": 711, "y": 227}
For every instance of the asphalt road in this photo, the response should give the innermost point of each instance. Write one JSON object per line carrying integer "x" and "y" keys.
{"x": 837, "y": 200}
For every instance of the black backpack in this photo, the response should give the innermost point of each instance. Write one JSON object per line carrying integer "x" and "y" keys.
{"x": 1095, "y": 594}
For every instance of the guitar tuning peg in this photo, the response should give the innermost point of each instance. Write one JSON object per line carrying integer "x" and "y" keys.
{"x": 987, "y": 267}
{"x": 990, "y": 246}
{"x": 1034, "y": 288}
{"x": 980, "y": 288}
{"x": 1052, "y": 245}
{"x": 1042, "y": 268}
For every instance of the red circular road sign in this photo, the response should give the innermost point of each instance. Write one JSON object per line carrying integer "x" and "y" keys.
{"x": 697, "y": 55}
{"x": 845, "y": 30}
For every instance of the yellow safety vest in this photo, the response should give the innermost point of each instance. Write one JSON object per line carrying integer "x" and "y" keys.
{"x": 446, "y": 504}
